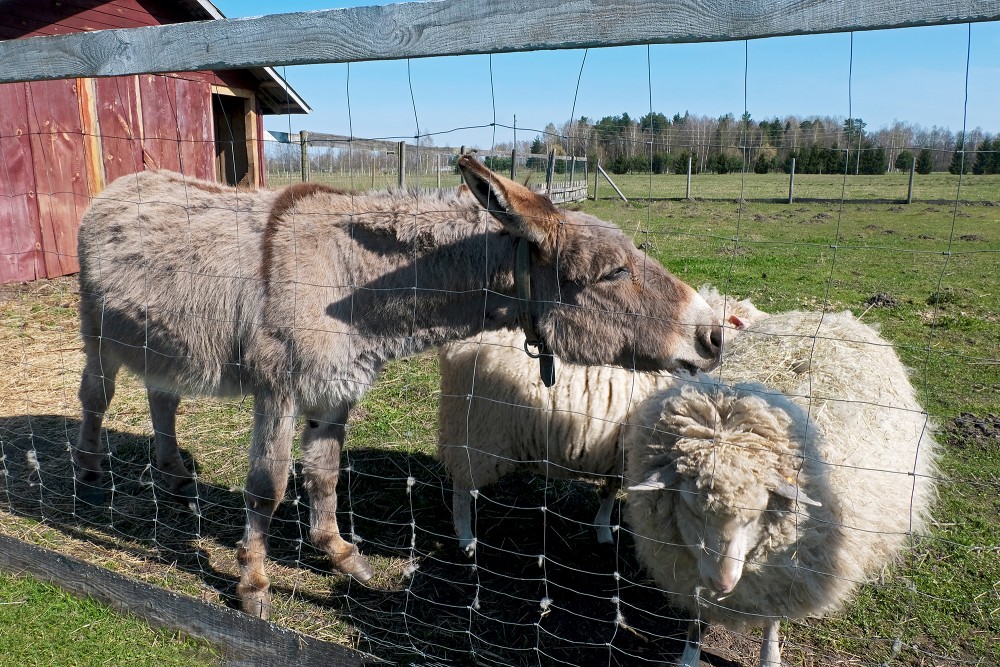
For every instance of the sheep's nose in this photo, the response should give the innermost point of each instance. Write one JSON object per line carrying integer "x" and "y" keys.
{"x": 722, "y": 584}
{"x": 708, "y": 342}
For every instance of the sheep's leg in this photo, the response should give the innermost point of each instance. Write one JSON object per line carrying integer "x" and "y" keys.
{"x": 270, "y": 456}
{"x": 461, "y": 509}
{"x": 321, "y": 444}
{"x": 692, "y": 647}
{"x": 770, "y": 648}
{"x": 163, "y": 410}
{"x": 608, "y": 491}
{"x": 97, "y": 388}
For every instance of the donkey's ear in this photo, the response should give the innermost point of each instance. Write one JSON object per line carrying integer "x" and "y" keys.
{"x": 523, "y": 213}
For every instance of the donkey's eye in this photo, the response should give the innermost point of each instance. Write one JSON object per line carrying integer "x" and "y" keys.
{"x": 617, "y": 274}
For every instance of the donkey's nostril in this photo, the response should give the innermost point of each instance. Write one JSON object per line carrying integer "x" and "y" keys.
{"x": 709, "y": 341}
{"x": 716, "y": 336}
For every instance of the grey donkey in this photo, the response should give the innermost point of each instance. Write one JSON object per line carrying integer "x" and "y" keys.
{"x": 300, "y": 296}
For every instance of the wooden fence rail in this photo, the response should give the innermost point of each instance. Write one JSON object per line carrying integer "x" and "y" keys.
{"x": 454, "y": 27}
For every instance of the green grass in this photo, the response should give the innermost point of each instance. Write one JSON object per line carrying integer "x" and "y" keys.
{"x": 46, "y": 627}
{"x": 935, "y": 186}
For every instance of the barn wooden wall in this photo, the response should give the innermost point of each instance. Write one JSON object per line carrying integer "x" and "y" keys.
{"x": 63, "y": 141}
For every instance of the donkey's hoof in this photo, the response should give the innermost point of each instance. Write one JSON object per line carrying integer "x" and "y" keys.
{"x": 356, "y": 565}
{"x": 256, "y": 604}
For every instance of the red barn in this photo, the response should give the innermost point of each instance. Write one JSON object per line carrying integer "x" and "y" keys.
{"x": 62, "y": 141}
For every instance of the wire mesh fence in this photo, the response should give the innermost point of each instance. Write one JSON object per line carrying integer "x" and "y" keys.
{"x": 543, "y": 585}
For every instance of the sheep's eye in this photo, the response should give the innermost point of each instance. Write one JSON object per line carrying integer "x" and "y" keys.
{"x": 617, "y": 274}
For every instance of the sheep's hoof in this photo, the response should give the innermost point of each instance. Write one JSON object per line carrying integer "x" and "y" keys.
{"x": 93, "y": 496}
{"x": 185, "y": 494}
{"x": 355, "y": 565}
{"x": 468, "y": 547}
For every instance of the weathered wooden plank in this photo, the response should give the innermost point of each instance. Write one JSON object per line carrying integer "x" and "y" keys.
{"x": 160, "y": 141}
{"x": 58, "y": 152}
{"x": 193, "y": 121}
{"x": 118, "y": 119}
{"x": 20, "y": 237}
{"x": 456, "y": 27}
{"x": 245, "y": 640}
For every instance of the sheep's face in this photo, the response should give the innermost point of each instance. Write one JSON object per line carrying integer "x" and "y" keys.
{"x": 721, "y": 539}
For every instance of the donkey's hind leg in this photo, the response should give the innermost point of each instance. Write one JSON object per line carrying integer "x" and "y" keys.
{"x": 321, "y": 444}
{"x": 97, "y": 388}
{"x": 163, "y": 410}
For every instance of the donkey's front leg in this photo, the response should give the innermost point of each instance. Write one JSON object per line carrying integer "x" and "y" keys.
{"x": 270, "y": 458}
{"x": 163, "y": 410}
{"x": 321, "y": 443}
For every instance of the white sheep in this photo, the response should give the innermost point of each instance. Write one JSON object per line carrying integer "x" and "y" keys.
{"x": 497, "y": 417}
{"x": 774, "y": 489}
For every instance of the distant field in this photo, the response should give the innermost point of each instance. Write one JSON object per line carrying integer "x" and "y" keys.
{"x": 939, "y": 186}
{"x": 926, "y": 273}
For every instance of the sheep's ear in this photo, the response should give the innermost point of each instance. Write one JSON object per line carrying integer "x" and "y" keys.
{"x": 737, "y": 322}
{"x": 522, "y": 212}
{"x": 786, "y": 489}
{"x": 656, "y": 481}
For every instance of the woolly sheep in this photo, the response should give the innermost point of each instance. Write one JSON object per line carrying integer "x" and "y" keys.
{"x": 493, "y": 400}
{"x": 776, "y": 496}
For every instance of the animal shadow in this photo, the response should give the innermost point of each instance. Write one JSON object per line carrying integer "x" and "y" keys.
{"x": 540, "y": 589}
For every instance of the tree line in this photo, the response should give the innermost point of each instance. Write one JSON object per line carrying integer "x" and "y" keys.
{"x": 819, "y": 145}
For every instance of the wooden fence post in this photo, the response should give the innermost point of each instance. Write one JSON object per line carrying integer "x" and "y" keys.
{"x": 687, "y": 191}
{"x": 439, "y": 170}
{"x": 401, "y": 154}
{"x": 549, "y": 171}
{"x": 513, "y": 165}
{"x": 791, "y": 182}
{"x": 909, "y": 191}
{"x": 597, "y": 175}
{"x": 613, "y": 185}
{"x": 304, "y": 145}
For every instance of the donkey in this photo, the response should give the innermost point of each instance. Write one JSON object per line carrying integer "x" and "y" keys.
{"x": 299, "y": 297}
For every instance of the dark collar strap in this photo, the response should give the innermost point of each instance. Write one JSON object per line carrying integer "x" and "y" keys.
{"x": 522, "y": 283}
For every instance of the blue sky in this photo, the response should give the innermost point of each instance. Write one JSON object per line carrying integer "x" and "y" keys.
{"x": 915, "y": 75}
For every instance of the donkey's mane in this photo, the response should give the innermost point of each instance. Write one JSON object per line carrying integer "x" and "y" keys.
{"x": 415, "y": 219}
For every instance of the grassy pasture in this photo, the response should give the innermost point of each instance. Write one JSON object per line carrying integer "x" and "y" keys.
{"x": 926, "y": 273}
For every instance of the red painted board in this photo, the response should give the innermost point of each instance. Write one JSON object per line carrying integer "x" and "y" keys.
{"x": 160, "y": 144}
{"x": 194, "y": 123}
{"x": 59, "y": 157}
{"x": 118, "y": 120}
{"x": 20, "y": 239}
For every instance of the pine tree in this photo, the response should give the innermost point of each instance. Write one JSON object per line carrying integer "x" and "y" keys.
{"x": 925, "y": 161}
{"x": 904, "y": 160}
{"x": 960, "y": 161}
{"x": 984, "y": 157}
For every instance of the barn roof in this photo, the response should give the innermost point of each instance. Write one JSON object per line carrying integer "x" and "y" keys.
{"x": 274, "y": 93}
